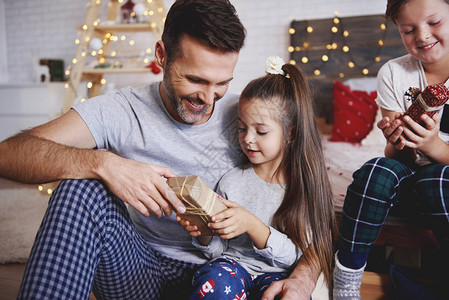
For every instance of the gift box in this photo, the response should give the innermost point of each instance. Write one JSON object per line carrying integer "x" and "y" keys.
{"x": 200, "y": 200}
{"x": 429, "y": 101}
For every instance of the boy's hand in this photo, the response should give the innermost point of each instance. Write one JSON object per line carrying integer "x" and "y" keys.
{"x": 419, "y": 137}
{"x": 392, "y": 130}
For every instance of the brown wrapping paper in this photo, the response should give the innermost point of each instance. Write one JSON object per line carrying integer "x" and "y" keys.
{"x": 200, "y": 200}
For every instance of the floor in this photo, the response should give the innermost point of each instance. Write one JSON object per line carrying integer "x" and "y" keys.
{"x": 374, "y": 286}
{"x": 10, "y": 279}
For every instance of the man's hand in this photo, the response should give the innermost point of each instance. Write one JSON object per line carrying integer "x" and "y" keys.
{"x": 140, "y": 185}
{"x": 298, "y": 286}
{"x": 292, "y": 288}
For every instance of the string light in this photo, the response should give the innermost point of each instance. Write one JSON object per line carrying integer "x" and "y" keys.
{"x": 337, "y": 26}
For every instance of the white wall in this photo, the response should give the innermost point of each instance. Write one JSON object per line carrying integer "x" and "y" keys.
{"x": 3, "y": 64}
{"x": 48, "y": 26}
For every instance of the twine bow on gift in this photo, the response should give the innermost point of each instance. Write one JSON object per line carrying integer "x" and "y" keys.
{"x": 426, "y": 107}
{"x": 196, "y": 209}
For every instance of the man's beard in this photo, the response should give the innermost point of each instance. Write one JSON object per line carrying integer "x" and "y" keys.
{"x": 187, "y": 115}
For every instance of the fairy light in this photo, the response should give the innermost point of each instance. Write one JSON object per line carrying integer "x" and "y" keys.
{"x": 336, "y": 27}
{"x": 89, "y": 85}
{"x": 40, "y": 188}
{"x": 49, "y": 191}
{"x": 160, "y": 10}
{"x": 77, "y": 41}
{"x": 102, "y": 60}
{"x": 131, "y": 42}
{"x": 153, "y": 25}
{"x": 83, "y": 53}
{"x": 103, "y": 81}
{"x": 82, "y": 100}
{"x": 123, "y": 38}
{"x": 84, "y": 27}
{"x": 151, "y": 12}
{"x": 74, "y": 61}
{"x": 66, "y": 86}
{"x": 93, "y": 53}
{"x": 113, "y": 53}
{"x": 293, "y": 62}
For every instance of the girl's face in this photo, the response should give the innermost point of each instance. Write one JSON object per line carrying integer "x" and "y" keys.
{"x": 424, "y": 28}
{"x": 261, "y": 136}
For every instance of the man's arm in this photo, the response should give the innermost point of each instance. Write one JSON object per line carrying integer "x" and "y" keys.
{"x": 63, "y": 148}
{"x": 298, "y": 286}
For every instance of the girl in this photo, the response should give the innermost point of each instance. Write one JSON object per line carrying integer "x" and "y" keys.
{"x": 282, "y": 199}
{"x": 414, "y": 172}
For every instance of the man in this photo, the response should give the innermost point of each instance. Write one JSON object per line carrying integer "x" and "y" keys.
{"x": 87, "y": 235}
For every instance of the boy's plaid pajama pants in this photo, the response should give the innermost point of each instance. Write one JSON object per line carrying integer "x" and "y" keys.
{"x": 381, "y": 184}
{"x": 87, "y": 240}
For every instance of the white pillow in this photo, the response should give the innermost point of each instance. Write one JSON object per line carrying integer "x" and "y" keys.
{"x": 375, "y": 136}
{"x": 365, "y": 84}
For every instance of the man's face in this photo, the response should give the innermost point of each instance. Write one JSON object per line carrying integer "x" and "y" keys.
{"x": 195, "y": 80}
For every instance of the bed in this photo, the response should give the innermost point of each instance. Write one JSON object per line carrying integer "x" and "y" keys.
{"x": 352, "y": 140}
{"x": 341, "y": 57}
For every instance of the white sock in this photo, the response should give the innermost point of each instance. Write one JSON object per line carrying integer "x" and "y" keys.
{"x": 347, "y": 282}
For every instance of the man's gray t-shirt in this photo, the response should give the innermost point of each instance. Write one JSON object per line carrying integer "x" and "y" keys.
{"x": 135, "y": 124}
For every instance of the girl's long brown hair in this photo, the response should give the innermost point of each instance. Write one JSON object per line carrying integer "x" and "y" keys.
{"x": 306, "y": 213}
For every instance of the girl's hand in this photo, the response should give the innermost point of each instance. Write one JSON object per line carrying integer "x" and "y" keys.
{"x": 392, "y": 131}
{"x": 190, "y": 228}
{"x": 424, "y": 138}
{"x": 231, "y": 222}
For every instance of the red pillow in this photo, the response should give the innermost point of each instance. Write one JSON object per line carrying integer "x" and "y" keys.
{"x": 354, "y": 113}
